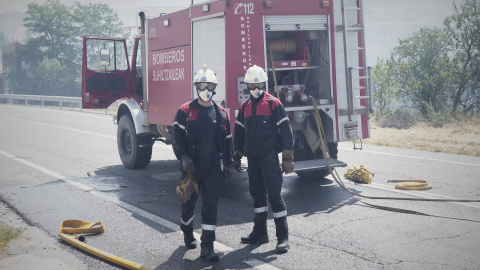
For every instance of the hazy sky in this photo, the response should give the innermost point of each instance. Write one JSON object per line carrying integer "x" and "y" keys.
{"x": 386, "y": 21}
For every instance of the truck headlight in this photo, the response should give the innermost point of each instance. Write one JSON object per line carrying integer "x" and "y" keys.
{"x": 299, "y": 116}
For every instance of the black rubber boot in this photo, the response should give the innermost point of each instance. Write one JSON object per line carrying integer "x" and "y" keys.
{"x": 281, "y": 227}
{"x": 260, "y": 223}
{"x": 209, "y": 254}
{"x": 254, "y": 238}
{"x": 282, "y": 246}
{"x": 259, "y": 234}
{"x": 190, "y": 241}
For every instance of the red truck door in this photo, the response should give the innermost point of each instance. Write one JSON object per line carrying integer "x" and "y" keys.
{"x": 106, "y": 74}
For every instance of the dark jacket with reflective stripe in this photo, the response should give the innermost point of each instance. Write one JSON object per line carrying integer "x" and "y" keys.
{"x": 184, "y": 129}
{"x": 255, "y": 127}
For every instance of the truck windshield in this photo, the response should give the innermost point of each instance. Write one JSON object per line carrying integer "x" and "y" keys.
{"x": 97, "y": 50}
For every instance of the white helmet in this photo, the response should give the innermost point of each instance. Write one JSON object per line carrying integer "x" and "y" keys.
{"x": 205, "y": 81}
{"x": 256, "y": 80}
{"x": 255, "y": 74}
{"x": 205, "y": 75}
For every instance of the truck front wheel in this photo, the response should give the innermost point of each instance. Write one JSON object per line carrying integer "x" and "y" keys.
{"x": 135, "y": 151}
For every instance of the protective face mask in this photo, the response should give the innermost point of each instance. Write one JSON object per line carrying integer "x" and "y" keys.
{"x": 205, "y": 95}
{"x": 256, "y": 93}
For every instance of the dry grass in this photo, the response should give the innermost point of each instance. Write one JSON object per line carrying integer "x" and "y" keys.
{"x": 7, "y": 234}
{"x": 457, "y": 138}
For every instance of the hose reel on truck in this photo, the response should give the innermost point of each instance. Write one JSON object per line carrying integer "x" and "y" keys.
{"x": 308, "y": 162}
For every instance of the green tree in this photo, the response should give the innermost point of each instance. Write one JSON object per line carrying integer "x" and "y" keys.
{"x": 464, "y": 28}
{"x": 56, "y": 79}
{"x": 19, "y": 75}
{"x": 52, "y": 28}
{"x": 96, "y": 20}
{"x": 424, "y": 70}
{"x": 383, "y": 85}
{"x": 57, "y": 30}
{"x": 17, "y": 81}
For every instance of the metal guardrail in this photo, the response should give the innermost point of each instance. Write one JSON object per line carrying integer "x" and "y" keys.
{"x": 51, "y": 101}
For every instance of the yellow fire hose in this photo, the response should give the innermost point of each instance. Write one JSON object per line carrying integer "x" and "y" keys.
{"x": 411, "y": 184}
{"x": 336, "y": 177}
{"x": 273, "y": 70}
{"x": 71, "y": 227}
{"x": 361, "y": 174}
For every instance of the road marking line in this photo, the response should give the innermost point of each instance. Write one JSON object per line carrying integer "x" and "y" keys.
{"x": 174, "y": 227}
{"x": 406, "y": 156}
{"x": 163, "y": 146}
{"x": 64, "y": 128}
{"x": 260, "y": 265}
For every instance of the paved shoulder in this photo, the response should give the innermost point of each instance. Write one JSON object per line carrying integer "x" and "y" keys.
{"x": 34, "y": 249}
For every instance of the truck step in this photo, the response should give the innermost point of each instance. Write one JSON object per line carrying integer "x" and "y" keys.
{"x": 316, "y": 164}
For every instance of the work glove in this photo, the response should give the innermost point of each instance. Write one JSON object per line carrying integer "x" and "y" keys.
{"x": 228, "y": 173}
{"x": 186, "y": 187}
{"x": 237, "y": 160}
{"x": 187, "y": 165}
{"x": 287, "y": 161}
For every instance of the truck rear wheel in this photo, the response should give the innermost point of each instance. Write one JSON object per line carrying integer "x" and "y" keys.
{"x": 306, "y": 154}
{"x": 135, "y": 151}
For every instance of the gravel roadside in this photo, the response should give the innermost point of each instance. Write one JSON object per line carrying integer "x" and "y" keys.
{"x": 34, "y": 248}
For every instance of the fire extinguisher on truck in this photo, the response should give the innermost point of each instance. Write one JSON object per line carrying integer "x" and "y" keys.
{"x": 309, "y": 48}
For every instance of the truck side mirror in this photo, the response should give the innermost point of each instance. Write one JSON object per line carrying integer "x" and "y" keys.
{"x": 105, "y": 57}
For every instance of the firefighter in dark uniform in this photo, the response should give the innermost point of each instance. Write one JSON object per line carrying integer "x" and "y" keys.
{"x": 262, "y": 130}
{"x": 203, "y": 142}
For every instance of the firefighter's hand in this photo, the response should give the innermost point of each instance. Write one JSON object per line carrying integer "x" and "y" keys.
{"x": 228, "y": 173}
{"x": 287, "y": 161}
{"x": 187, "y": 165}
{"x": 237, "y": 157}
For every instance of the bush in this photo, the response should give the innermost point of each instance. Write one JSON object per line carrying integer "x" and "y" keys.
{"x": 436, "y": 118}
{"x": 399, "y": 119}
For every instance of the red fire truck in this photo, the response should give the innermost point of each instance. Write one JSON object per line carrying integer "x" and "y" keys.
{"x": 309, "y": 48}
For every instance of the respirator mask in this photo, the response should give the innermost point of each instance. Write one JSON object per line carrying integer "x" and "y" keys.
{"x": 205, "y": 90}
{"x": 256, "y": 89}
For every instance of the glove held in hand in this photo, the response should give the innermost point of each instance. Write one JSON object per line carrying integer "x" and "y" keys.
{"x": 237, "y": 157}
{"x": 186, "y": 187}
{"x": 287, "y": 161}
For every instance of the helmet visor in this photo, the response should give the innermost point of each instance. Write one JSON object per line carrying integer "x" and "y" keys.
{"x": 205, "y": 85}
{"x": 253, "y": 86}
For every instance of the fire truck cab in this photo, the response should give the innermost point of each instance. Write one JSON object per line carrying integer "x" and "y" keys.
{"x": 309, "y": 49}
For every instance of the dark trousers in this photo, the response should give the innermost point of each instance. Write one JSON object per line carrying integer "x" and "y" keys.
{"x": 210, "y": 184}
{"x": 265, "y": 177}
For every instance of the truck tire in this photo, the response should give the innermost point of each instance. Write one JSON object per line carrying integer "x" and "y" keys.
{"x": 306, "y": 154}
{"x": 135, "y": 151}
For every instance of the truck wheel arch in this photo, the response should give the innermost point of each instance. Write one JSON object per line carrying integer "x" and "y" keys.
{"x": 131, "y": 108}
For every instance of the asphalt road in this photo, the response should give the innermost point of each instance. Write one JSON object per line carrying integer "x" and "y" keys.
{"x": 58, "y": 164}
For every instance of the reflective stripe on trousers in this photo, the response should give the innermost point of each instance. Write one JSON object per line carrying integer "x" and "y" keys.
{"x": 209, "y": 182}
{"x": 265, "y": 176}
